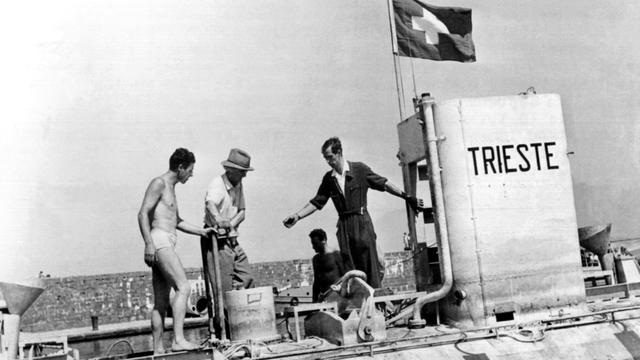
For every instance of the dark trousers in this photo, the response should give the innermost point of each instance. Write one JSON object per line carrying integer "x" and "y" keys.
{"x": 357, "y": 241}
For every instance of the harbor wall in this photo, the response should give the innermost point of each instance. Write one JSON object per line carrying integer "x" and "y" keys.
{"x": 70, "y": 302}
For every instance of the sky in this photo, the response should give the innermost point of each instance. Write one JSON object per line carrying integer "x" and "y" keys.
{"x": 98, "y": 94}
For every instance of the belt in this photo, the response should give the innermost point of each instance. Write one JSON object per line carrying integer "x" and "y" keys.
{"x": 359, "y": 211}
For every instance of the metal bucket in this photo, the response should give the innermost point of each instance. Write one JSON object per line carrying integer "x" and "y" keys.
{"x": 251, "y": 314}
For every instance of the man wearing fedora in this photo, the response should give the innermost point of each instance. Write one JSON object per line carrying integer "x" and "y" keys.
{"x": 225, "y": 211}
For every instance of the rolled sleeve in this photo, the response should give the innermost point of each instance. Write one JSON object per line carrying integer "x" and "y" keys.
{"x": 323, "y": 195}
{"x": 374, "y": 180}
{"x": 241, "y": 201}
{"x": 215, "y": 193}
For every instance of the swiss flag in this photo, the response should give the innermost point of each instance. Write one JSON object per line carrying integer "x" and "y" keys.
{"x": 432, "y": 32}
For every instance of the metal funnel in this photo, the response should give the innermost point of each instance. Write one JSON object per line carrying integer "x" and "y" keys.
{"x": 595, "y": 238}
{"x": 20, "y": 295}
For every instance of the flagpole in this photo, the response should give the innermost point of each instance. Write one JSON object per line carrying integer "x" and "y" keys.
{"x": 404, "y": 98}
{"x": 413, "y": 76}
{"x": 394, "y": 48}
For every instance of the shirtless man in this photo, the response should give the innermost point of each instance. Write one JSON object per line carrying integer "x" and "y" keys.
{"x": 158, "y": 219}
{"x": 328, "y": 266}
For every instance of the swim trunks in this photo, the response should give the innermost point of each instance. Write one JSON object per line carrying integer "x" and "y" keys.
{"x": 162, "y": 239}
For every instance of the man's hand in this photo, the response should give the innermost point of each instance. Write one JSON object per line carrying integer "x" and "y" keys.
{"x": 224, "y": 224}
{"x": 208, "y": 231}
{"x": 291, "y": 220}
{"x": 150, "y": 254}
{"x": 415, "y": 203}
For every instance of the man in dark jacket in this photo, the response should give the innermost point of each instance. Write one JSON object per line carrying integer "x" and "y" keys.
{"x": 347, "y": 185}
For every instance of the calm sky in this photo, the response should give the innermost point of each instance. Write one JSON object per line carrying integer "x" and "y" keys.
{"x": 98, "y": 94}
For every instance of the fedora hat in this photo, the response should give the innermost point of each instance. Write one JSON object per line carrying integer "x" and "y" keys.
{"x": 238, "y": 159}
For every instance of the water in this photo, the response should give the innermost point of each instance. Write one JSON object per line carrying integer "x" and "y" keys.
{"x": 139, "y": 343}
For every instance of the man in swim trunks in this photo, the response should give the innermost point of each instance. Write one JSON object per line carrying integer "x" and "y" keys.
{"x": 159, "y": 219}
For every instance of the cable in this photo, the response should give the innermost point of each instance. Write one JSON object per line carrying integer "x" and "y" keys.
{"x": 398, "y": 308}
{"x": 413, "y": 75}
{"x": 293, "y": 344}
{"x": 407, "y": 334}
{"x": 118, "y": 342}
{"x": 250, "y": 351}
{"x": 532, "y": 340}
{"x": 413, "y": 255}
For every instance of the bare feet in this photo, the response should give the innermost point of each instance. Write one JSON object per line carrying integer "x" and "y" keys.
{"x": 184, "y": 346}
{"x": 159, "y": 351}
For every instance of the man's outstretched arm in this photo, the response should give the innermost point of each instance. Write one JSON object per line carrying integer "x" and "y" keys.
{"x": 414, "y": 202}
{"x": 292, "y": 219}
{"x": 381, "y": 183}
{"x": 189, "y": 228}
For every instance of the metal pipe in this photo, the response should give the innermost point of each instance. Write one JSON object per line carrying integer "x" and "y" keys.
{"x": 219, "y": 310}
{"x": 11, "y": 325}
{"x": 409, "y": 175}
{"x": 213, "y": 285}
{"x": 204, "y": 246}
{"x": 442, "y": 235}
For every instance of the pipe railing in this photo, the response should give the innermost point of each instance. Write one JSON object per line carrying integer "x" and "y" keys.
{"x": 435, "y": 184}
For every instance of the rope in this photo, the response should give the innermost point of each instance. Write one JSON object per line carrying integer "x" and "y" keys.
{"x": 404, "y": 106}
{"x": 413, "y": 255}
{"x": 413, "y": 75}
{"x": 528, "y": 339}
{"x": 249, "y": 347}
